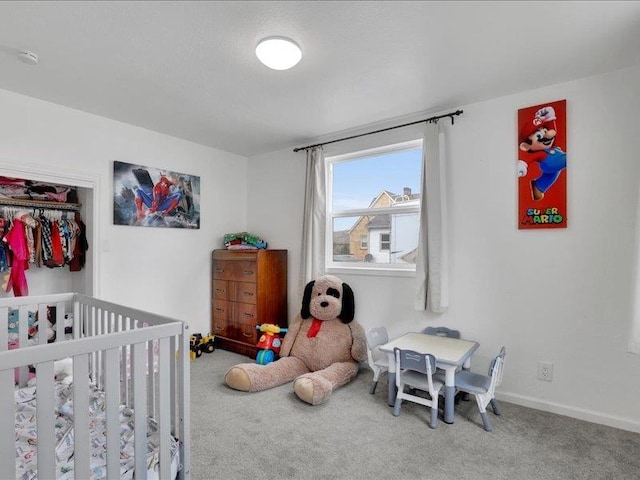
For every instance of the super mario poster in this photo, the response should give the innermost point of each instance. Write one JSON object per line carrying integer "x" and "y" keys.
{"x": 542, "y": 166}
{"x": 149, "y": 197}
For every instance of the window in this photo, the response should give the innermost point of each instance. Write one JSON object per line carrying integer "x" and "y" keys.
{"x": 373, "y": 208}
{"x": 385, "y": 241}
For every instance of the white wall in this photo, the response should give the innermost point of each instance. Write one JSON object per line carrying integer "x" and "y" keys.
{"x": 161, "y": 270}
{"x": 555, "y": 295}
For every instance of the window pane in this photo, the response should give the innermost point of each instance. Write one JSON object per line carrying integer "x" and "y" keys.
{"x": 390, "y": 239}
{"x": 376, "y": 181}
{"x": 385, "y": 241}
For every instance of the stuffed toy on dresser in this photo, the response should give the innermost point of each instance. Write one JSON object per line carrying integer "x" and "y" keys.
{"x": 321, "y": 351}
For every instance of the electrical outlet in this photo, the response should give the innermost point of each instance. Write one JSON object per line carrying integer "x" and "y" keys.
{"x": 545, "y": 371}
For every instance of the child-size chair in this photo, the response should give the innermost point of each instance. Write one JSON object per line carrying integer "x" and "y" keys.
{"x": 442, "y": 332}
{"x": 484, "y": 387}
{"x": 378, "y": 361}
{"x": 450, "y": 333}
{"x": 415, "y": 370}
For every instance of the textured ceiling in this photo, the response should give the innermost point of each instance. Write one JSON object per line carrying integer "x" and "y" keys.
{"x": 188, "y": 69}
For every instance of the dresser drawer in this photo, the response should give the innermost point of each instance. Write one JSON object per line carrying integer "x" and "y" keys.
{"x": 245, "y": 271}
{"x": 222, "y": 327}
{"x": 223, "y": 270}
{"x": 221, "y": 309}
{"x": 246, "y": 292}
{"x": 239, "y": 271}
{"x": 246, "y": 331}
{"x": 246, "y": 312}
{"x": 220, "y": 290}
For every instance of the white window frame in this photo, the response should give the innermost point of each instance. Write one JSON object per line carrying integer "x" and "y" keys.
{"x": 387, "y": 241}
{"x": 364, "y": 242}
{"x": 364, "y": 268}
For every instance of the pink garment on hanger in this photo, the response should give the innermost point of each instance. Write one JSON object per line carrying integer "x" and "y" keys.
{"x": 17, "y": 242}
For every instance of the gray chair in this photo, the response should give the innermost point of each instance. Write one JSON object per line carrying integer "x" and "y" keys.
{"x": 450, "y": 333}
{"x": 415, "y": 370}
{"x": 378, "y": 360}
{"x": 483, "y": 387}
{"x": 442, "y": 332}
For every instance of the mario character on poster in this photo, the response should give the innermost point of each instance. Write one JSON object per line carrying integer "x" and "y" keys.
{"x": 542, "y": 164}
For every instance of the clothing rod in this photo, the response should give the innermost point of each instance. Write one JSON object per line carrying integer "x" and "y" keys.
{"x": 16, "y": 202}
{"x": 431, "y": 119}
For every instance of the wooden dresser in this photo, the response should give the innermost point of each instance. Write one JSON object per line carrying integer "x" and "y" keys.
{"x": 249, "y": 288}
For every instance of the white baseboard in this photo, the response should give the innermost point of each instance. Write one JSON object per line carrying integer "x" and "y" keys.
{"x": 579, "y": 413}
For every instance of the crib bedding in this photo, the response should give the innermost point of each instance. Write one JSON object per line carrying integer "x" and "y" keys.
{"x": 26, "y": 435}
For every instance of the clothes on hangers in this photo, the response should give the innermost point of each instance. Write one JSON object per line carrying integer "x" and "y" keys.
{"x": 50, "y": 238}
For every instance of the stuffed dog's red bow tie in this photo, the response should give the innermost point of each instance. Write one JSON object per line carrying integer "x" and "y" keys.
{"x": 315, "y": 328}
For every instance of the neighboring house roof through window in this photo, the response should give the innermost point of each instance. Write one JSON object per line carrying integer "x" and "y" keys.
{"x": 379, "y": 221}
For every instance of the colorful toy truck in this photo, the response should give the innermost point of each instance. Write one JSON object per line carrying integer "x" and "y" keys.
{"x": 269, "y": 342}
{"x": 199, "y": 343}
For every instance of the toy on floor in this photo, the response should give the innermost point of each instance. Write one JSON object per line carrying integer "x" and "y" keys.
{"x": 199, "y": 343}
{"x": 269, "y": 342}
{"x": 321, "y": 352}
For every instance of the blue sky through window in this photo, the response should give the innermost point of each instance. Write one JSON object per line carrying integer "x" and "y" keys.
{"x": 357, "y": 182}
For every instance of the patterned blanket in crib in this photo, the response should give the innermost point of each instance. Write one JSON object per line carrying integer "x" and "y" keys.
{"x": 26, "y": 435}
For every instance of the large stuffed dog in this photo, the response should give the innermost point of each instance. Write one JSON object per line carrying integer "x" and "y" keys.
{"x": 321, "y": 351}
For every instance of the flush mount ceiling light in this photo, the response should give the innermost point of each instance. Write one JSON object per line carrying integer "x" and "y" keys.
{"x": 278, "y": 53}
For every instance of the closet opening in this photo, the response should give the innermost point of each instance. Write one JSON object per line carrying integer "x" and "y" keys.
{"x": 43, "y": 280}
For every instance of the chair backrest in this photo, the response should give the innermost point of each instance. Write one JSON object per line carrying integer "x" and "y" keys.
{"x": 442, "y": 332}
{"x": 375, "y": 337}
{"x": 415, "y": 361}
{"x": 496, "y": 368}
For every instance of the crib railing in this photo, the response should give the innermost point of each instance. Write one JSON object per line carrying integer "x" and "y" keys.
{"x": 139, "y": 359}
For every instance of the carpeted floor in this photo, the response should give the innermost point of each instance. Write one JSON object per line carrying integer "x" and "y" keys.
{"x": 273, "y": 435}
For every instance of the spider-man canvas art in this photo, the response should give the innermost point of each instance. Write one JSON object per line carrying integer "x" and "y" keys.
{"x": 151, "y": 197}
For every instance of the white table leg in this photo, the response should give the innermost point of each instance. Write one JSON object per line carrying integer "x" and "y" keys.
{"x": 467, "y": 364}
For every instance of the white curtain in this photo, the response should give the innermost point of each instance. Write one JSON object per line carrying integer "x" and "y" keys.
{"x": 313, "y": 223}
{"x": 432, "y": 263}
{"x": 634, "y": 337}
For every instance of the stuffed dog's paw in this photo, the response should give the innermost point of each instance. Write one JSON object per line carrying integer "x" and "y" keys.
{"x": 312, "y": 389}
{"x": 238, "y": 379}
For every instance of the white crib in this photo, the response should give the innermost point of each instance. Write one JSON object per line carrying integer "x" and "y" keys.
{"x": 137, "y": 362}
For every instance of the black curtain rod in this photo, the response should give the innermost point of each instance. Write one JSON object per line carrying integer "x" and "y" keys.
{"x": 431, "y": 119}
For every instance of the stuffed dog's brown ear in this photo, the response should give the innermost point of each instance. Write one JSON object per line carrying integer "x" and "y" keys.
{"x": 306, "y": 300}
{"x": 348, "y": 304}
